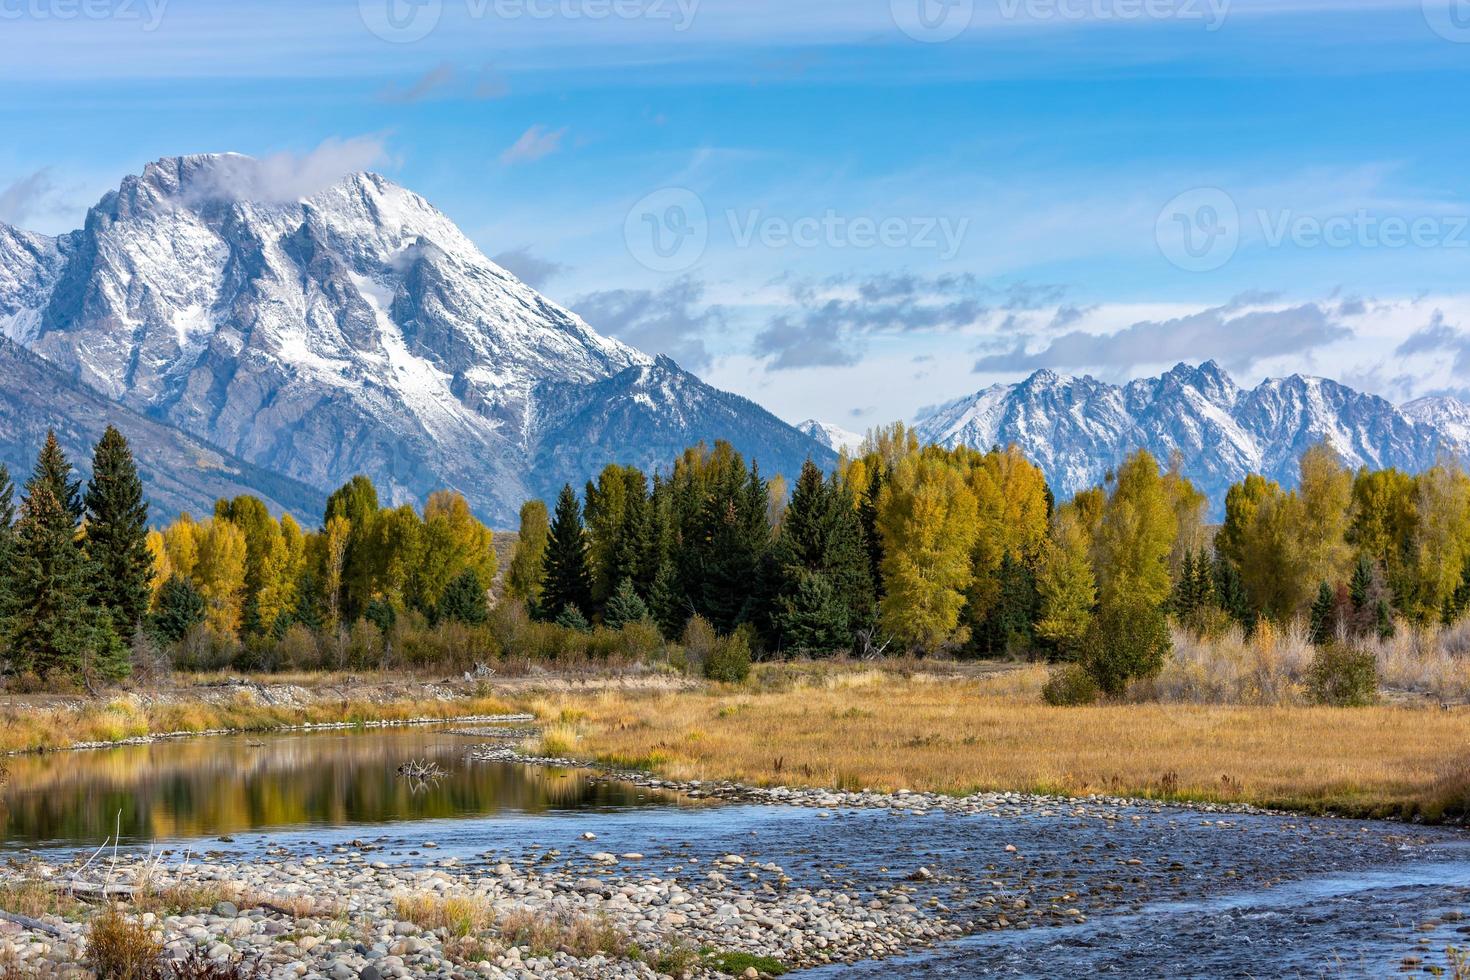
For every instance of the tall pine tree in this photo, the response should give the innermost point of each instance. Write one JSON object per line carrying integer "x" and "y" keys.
{"x": 51, "y": 629}
{"x": 7, "y": 550}
{"x": 567, "y": 583}
{"x": 117, "y": 536}
{"x": 54, "y": 470}
{"x": 820, "y": 567}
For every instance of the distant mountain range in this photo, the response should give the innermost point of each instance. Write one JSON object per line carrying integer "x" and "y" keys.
{"x": 355, "y": 330}
{"x": 1077, "y": 428}
{"x": 833, "y": 437}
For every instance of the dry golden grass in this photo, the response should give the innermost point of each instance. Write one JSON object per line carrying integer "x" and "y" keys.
{"x": 120, "y": 948}
{"x": 957, "y": 734}
{"x": 36, "y": 899}
{"x": 24, "y": 727}
{"x": 458, "y": 915}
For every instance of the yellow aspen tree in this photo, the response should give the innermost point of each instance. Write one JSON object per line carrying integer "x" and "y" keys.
{"x": 1136, "y": 534}
{"x": 335, "y": 537}
{"x": 1326, "y": 492}
{"x": 181, "y": 543}
{"x": 927, "y": 520}
{"x": 163, "y": 568}
{"x": 1010, "y": 499}
{"x": 1065, "y": 581}
{"x": 219, "y": 574}
{"x": 1441, "y": 539}
{"x": 454, "y": 542}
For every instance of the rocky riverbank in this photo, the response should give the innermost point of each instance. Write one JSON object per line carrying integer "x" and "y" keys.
{"x": 344, "y": 914}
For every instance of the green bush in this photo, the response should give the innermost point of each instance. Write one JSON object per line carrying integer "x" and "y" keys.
{"x": 729, "y": 660}
{"x": 1128, "y": 639}
{"x": 1343, "y": 676}
{"x": 1070, "y": 686}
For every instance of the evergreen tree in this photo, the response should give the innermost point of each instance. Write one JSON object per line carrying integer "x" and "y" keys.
{"x": 105, "y": 657}
{"x": 1324, "y": 616}
{"x": 1361, "y": 588}
{"x": 571, "y": 618}
{"x": 464, "y": 601}
{"x": 667, "y": 602}
{"x": 868, "y": 517}
{"x": 7, "y": 553}
{"x": 1231, "y": 595}
{"x": 117, "y": 536}
{"x": 821, "y": 538}
{"x": 1383, "y": 620}
{"x": 54, "y": 470}
{"x": 179, "y": 610}
{"x": 52, "y": 625}
{"x": 1008, "y": 628}
{"x": 618, "y": 516}
{"x": 624, "y": 607}
{"x": 566, "y": 581}
{"x": 813, "y": 616}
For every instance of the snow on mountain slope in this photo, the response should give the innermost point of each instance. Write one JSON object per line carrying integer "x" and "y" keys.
{"x": 356, "y": 330}
{"x": 180, "y": 473}
{"x": 1077, "y": 429}
{"x": 1450, "y": 417}
{"x": 833, "y": 437}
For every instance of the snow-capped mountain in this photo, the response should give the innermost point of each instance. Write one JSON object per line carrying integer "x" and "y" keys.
{"x": 355, "y": 330}
{"x": 833, "y": 437}
{"x": 180, "y": 473}
{"x": 1449, "y": 416}
{"x": 1077, "y": 428}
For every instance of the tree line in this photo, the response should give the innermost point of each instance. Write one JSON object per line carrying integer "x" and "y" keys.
{"x": 903, "y": 548}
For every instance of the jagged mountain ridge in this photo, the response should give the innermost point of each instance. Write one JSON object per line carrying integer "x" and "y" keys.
{"x": 179, "y": 473}
{"x": 353, "y": 330}
{"x": 834, "y": 437}
{"x": 1077, "y": 428}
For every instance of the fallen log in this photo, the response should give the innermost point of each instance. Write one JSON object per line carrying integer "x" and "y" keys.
{"x": 34, "y": 925}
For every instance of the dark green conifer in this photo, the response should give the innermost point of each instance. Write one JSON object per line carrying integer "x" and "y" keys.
{"x": 116, "y": 539}
{"x": 567, "y": 580}
{"x": 624, "y": 607}
{"x": 464, "y": 600}
{"x": 180, "y": 609}
{"x": 1324, "y": 616}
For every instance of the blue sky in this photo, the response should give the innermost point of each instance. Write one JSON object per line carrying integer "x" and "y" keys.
{"x": 859, "y": 214}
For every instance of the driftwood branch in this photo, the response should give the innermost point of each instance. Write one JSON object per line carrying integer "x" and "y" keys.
{"x": 35, "y": 925}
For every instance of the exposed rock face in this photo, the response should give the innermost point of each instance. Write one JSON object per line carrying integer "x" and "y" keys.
{"x": 355, "y": 330}
{"x": 1076, "y": 429}
{"x": 179, "y": 472}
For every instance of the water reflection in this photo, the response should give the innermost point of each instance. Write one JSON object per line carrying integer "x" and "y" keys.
{"x": 206, "y": 787}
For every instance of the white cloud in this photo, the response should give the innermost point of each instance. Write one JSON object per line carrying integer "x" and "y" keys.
{"x": 286, "y": 177}
{"x": 534, "y": 144}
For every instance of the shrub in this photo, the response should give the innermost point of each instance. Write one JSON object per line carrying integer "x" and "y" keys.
{"x": 1070, "y": 685}
{"x": 122, "y": 949}
{"x": 299, "y": 650}
{"x": 699, "y": 642}
{"x": 1128, "y": 639}
{"x": 1343, "y": 676}
{"x": 729, "y": 660}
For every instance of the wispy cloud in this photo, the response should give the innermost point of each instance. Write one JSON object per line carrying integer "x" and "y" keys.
{"x": 435, "y": 80}
{"x": 672, "y": 320}
{"x": 1237, "y": 338}
{"x": 536, "y": 143}
{"x": 285, "y": 177}
{"x": 533, "y": 270}
{"x": 27, "y": 197}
